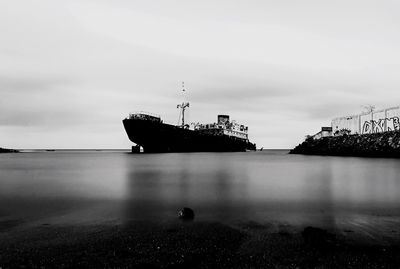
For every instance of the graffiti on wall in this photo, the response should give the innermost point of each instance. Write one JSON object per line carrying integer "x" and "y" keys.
{"x": 378, "y": 126}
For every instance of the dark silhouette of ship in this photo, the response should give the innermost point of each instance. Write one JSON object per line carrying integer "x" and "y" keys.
{"x": 149, "y": 133}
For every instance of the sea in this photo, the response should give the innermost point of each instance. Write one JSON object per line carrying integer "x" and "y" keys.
{"x": 271, "y": 186}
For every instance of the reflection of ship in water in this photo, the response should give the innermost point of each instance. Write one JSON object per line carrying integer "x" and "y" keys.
{"x": 150, "y": 133}
{"x": 214, "y": 189}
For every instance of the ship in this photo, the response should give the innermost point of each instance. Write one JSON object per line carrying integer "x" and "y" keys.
{"x": 151, "y": 135}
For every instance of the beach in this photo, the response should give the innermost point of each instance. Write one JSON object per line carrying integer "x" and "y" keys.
{"x": 189, "y": 245}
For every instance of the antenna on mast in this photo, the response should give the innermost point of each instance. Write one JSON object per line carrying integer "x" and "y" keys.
{"x": 183, "y": 106}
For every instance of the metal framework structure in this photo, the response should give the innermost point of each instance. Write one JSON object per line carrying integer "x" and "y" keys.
{"x": 182, "y": 107}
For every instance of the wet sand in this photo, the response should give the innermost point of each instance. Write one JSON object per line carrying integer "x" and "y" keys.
{"x": 177, "y": 244}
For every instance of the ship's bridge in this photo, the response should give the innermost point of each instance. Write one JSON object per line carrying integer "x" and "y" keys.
{"x": 224, "y": 126}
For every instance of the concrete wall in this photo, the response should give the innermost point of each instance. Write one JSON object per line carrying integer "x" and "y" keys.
{"x": 351, "y": 123}
{"x": 322, "y": 134}
{"x": 375, "y": 122}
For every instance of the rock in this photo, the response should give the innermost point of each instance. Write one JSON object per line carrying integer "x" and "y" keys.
{"x": 317, "y": 237}
{"x": 370, "y": 145}
{"x": 186, "y": 214}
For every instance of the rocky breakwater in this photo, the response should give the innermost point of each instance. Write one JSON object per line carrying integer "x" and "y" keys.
{"x": 3, "y": 150}
{"x": 369, "y": 145}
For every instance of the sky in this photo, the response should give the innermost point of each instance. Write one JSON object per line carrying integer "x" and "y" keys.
{"x": 70, "y": 71}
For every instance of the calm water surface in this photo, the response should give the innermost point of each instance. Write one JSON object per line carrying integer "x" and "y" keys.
{"x": 79, "y": 187}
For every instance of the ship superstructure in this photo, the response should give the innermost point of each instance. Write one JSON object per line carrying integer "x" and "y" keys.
{"x": 224, "y": 127}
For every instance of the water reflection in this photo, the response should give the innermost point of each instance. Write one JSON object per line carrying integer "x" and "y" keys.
{"x": 213, "y": 186}
{"x": 233, "y": 187}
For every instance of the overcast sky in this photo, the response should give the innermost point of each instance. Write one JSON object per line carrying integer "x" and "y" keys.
{"x": 70, "y": 71}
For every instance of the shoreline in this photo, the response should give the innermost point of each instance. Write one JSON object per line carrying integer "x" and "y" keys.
{"x": 176, "y": 244}
{"x": 4, "y": 150}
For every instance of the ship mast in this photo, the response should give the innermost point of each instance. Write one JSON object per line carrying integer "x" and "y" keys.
{"x": 183, "y": 106}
